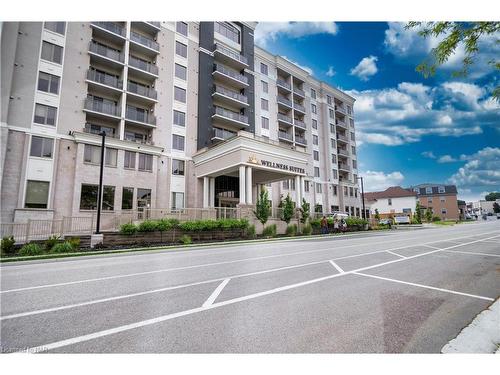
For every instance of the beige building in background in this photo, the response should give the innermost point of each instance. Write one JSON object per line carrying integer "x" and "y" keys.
{"x": 195, "y": 115}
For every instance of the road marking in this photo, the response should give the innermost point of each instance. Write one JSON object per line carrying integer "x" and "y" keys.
{"x": 491, "y": 241}
{"x": 472, "y": 253}
{"x": 424, "y": 286}
{"x": 210, "y": 301}
{"x": 83, "y": 338}
{"x": 217, "y": 263}
{"x": 393, "y": 253}
{"x": 336, "y": 266}
{"x": 433, "y": 247}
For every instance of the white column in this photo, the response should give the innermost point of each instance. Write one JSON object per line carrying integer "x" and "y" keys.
{"x": 211, "y": 199}
{"x": 242, "y": 185}
{"x": 298, "y": 190}
{"x": 248, "y": 181}
{"x": 205, "y": 192}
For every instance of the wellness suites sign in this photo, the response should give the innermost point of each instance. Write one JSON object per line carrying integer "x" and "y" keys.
{"x": 280, "y": 166}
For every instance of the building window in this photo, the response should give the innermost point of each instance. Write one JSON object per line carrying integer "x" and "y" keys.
{"x": 351, "y": 121}
{"x": 313, "y": 94}
{"x": 180, "y": 72}
{"x": 265, "y": 86}
{"x": 428, "y": 190}
{"x": 441, "y": 189}
{"x": 227, "y": 30}
{"x": 48, "y": 83}
{"x": 129, "y": 161}
{"x": 143, "y": 198}
{"x": 41, "y": 147}
{"x": 45, "y": 115}
{"x": 108, "y": 198}
{"x": 264, "y": 122}
{"x": 145, "y": 162}
{"x": 333, "y": 143}
{"x": 111, "y": 157}
{"x": 335, "y": 174}
{"x": 315, "y": 124}
{"x": 306, "y": 186}
{"x": 345, "y": 191}
{"x": 127, "y": 198}
{"x": 316, "y": 172}
{"x": 319, "y": 188}
{"x": 334, "y": 159}
{"x": 292, "y": 184}
{"x": 335, "y": 192}
{"x": 354, "y": 164}
{"x": 182, "y": 28}
{"x": 329, "y": 99}
{"x": 181, "y": 49}
{"x": 264, "y": 104}
{"x": 316, "y": 155}
{"x": 179, "y": 94}
{"x": 444, "y": 211}
{"x": 313, "y": 108}
{"x": 56, "y": 27}
{"x": 177, "y": 200}
{"x": 88, "y": 197}
{"x": 351, "y": 192}
{"x": 442, "y": 199}
{"x": 353, "y": 149}
{"x": 389, "y": 202}
{"x": 349, "y": 110}
{"x": 330, "y": 113}
{"x": 315, "y": 140}
{"x": 429, "y": 200}
{"x": 332, "y": 128}
{"x": 92, "y": 154}
{"x": 37, "y": 194}
{"x": 51, "y": 52}
{"x": 179, "y": 118}
{"x": 352, "y": 136}
{"x": 286, "y": 184}
{"x": 355, "y": 193}
{"x": 264, "y": 69}
{"x": 177, "y": 142}
{"x": 178, "y": 167}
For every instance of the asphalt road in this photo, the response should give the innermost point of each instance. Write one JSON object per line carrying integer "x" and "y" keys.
{"x": 399, "y": 291}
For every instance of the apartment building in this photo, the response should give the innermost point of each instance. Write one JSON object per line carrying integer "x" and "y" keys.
{"x": 441, "y": 199}
{"x": 195, "y": 115}
{"x": 393, "y": 201}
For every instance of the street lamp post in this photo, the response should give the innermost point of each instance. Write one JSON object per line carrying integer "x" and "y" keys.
{"x": 99, "y": 192}
{"x": 363, "y": 197}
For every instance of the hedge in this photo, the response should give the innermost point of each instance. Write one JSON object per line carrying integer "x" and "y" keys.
{"x": 188, "y": 226}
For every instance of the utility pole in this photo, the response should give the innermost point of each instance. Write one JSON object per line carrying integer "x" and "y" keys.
{"x": 363, "y": 197}
{"x": 99, "y": 192}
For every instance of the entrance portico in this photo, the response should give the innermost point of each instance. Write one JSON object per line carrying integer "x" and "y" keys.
{"x": 232, "y": 173}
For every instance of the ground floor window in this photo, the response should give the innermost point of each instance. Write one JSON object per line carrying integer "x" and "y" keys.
{"x": 88, "y": 197}
{"x": 143, "y": 198}
{"x": 127, "y": 198}
{"x": 37, "y": 194}
{"x": 177, "y": 200}
{"x": 108, "y": 198}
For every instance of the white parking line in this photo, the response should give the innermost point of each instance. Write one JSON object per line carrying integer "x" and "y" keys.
{"x": 472, "y": 253}
{"x": 210, "y": 301}
{"x": 424, "y": 286}
{"x": 83, "y": 338}
{"x": 393, "y": 253}
{"x": 336, "y": 266}
{"x": 491, "y": 241}
{"x": 433, "y": 247}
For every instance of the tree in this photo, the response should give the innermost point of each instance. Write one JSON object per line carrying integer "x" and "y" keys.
{"x": 428, "y": 215}
{"x": 492, "y": 196}
{"x": 454, "y": 34}
{"x": 287, "y": 209}
{"x": 377, "y": 215}
{"x": 496, "y": 208}
{"x": 262, "y": 206}
{"x": 305, "y": 211}
{"x": 418, "y": 213}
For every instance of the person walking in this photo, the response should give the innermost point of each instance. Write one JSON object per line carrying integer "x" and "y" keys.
{"x": 336, "y": 226}
{"x": 324, "y": 225}
{"x": 344, "y": 226}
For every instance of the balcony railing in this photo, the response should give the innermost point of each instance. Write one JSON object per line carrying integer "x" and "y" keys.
{"x": 342, "y": 124}
{"x": 283, "y": 83}
{"x": 143, "y": 65}
{"x": 104, "y": 79}
{"x": 285, "y": 101}
{"x": 342, "y": 151}
{"x": 299, "y": 106}
{"x": 222, "y": 134}
{"x": 231, "y": 73}
{"x": 230, "y": 114}
{"x": 110, "y": 53}
{"x": 98, "y": 129}
{"x": 342, "y": 138}
{"x": 285, "y": 118}
{"x": 299, "y": 123}
{"x": 301, "y": 92}
{"x": 110, "y": 26}
{"x": 100, "y": 106}
{"x": 141, "y": 39}
{"x": 138, "y": 115}
{"x": 339, "y": 108}
{"x": 232, "y": 54}
{"x": 285, "y": 135}
{"x": 155, "y": 24}
{"x": 344, "y": 167}
{"x": 230, "y": 93}
{"x": 301, "y": 140}
{"x": 141, "y": 90}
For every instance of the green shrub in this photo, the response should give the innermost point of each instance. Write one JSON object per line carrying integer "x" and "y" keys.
{"x": 51, "y": 241}
{"x": 269, "y": 231}
{"x": 316, "y": 223}
{"x": 164, "y": 225}
{"x": 356, "y": 222}
{"x": 307, "y": 229}
{"x": 174, "y": 222}
{"x": 8, "y": 245}
{"x": 30, "y": 249}
{"x": 291, "y": 230}
{"x": 147, "y": 226}
{"x": 128, "y": 228}
{"x": 436, "y": 218}
{"x": 62, "y": 247}
{"x": 75, "y": 242}
{"x": 186, "y": 240}
{"x": 251, "y": 231}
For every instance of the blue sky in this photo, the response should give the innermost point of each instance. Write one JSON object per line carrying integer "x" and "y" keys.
{"x": 410, "y": 129}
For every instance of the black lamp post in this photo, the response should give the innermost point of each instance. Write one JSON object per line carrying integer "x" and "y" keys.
{"x": 99, "y": 192}
{"x": 363, "y": 197}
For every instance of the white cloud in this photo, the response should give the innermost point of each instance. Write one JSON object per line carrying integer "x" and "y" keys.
{"x": 376, "y": 181}
{"x": 269, "y": 31}
{"x": 445, "y": 120}
{"x": 306, "y": 68}
{"x": 366, "y": 68}
{"x": 331, "y": 72}
{"x": 446, "y": 159}
{"x": 481, "y": 170}
{"x": 428, "y": 154}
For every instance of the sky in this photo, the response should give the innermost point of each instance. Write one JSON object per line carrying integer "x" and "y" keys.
{"x": 410, "y": 129}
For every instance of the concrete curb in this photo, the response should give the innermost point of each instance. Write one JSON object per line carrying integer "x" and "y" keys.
{"x": 482, "y": 335}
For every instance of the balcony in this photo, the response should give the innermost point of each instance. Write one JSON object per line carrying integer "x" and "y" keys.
{"x": 106, "y": 53}
{"x": 284, "y": 101}
{"x": 229, "y": 75}
{"x": 342, "y": 138}
{"x": 344, "y": 167}
{"x": 104, "y": 79}
{"x": 299, "y": 92}
{"x": 140, "y": 116}
{"x": 110, "y": 27}
{"x": 98, "y": 129}
{"x": 281, "y": 83}
{"x": 143, "y": 66}
{"x": 142, "y": 91}
{"x": 150, "y": 44}
{"x": 230, "y": 57}
{"x": 340, "y": 109}
{"x": 300, "y": 140}
{"x": 156, "y": 25}
{"x": 141, "y": 138}
{"x": 230, "y": 118}
{"x": 101, "y": 107}
{"x": 342, "y": 152}
{"x": 284, "y": 136}
{"x": 299, "y": 107}
{"x": 284, "y": 119}
{"x": 299, "y": 123}
{"x": 221, "y": 134}
{"x": 230, "y": 96}
{"x": 341, "y": 124}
